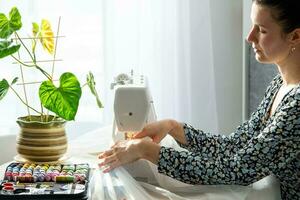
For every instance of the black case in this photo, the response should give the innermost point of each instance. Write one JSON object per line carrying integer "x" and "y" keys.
{"x": 78, "y": 196}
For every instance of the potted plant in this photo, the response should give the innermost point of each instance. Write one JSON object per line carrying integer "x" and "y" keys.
{"x": 42, "y": 136}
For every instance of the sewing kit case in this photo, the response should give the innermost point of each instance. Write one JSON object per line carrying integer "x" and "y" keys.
{"x": 45, "y": 181}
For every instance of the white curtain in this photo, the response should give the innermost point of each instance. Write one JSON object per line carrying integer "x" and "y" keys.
{"x": 190, "y": 50}
{"x": 174, "y": 43}
{"x": 172, "y": 46}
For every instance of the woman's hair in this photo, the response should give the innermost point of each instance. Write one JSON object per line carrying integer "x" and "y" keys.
{"x": 285, "y": 12}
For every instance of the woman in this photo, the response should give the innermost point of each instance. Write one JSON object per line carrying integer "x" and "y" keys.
{"x": 269, "y": 143}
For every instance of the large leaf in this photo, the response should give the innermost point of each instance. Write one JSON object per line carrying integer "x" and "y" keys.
{"x": 7, "y": 49}
{"x": 63, "y": 100}
{"x": 15, "y": 19}
{"x": 8, "y": 26}
{"x": 47, "y": 36}
{"x": 91, "y": 83}
{"x": 4, "y": 86}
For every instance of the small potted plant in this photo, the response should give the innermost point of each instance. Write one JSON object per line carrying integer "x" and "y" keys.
{"x": 42, "y": 136}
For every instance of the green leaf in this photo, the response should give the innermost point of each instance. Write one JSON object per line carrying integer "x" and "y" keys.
{"x": 47, "y": 36}
{"x": 4, "y": 26}
{"x": 6, "y": 49}
{"x": 4, "y": 86}
{"x": 15, "y": 19}
{"x": 35, "y": 28}
{"x": 8, "y": 26}
{"x": 91, "y": 83}
{"x": 14, "y": 81}
{"x": 63, "y": 100}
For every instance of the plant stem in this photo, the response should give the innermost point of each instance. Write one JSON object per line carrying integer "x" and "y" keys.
{"x": 44, "y": 72}
{"x": 34, "y": 57}
{"x": 24, "y": 46}
{"x": 84, "y": 85}
{"x": 24, "y": 101}
{"x": 33, "y": 51}
{"x": 42, "y": 112}
{"x": 19, "y": 61}
{"x": 36, "y": 66}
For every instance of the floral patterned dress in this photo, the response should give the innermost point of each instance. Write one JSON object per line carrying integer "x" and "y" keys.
{"x": 259, "y": 147}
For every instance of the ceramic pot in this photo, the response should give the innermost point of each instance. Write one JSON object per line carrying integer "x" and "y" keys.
{"x": 41, "y": 140}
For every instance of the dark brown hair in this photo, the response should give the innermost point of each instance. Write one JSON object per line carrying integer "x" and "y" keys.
{"x": 285, "y": 12}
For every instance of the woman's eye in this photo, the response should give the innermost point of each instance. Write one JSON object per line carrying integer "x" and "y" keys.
{"x": 261, "y": 30}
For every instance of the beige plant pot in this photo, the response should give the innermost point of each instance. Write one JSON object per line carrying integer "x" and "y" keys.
{"x": 41, "y": 141}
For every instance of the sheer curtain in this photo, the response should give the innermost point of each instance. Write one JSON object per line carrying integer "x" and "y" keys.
{"x": 178, "y": 44}
{"x": 190, "y": 50}
{"x": 156, "y": 38}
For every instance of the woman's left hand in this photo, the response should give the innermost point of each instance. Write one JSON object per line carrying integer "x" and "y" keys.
{"x": 121, "y": 153}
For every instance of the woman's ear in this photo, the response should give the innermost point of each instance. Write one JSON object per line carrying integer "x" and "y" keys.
{"x": 294, "y": 37}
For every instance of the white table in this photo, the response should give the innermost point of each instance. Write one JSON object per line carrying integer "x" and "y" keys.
{"x": 84, "y": 148}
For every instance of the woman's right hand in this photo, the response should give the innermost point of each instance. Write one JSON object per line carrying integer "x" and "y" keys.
{"x": 158, "y": 130}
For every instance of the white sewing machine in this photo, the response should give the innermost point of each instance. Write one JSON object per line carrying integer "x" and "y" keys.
{"x": 133, "y": 105}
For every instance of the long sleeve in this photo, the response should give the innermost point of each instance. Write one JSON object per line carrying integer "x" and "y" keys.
{"x": 203, "y": 142}
{"x": 269, "y": 150}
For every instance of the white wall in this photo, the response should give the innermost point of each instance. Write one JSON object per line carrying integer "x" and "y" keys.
{"x": 226, "y": 26}
{"x": 246, "y": 27}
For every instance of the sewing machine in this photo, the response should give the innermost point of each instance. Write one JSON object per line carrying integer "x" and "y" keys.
{"x": 133, "y": 105}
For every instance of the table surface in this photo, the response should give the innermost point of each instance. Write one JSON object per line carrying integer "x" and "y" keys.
{"x": 84, "y": 149}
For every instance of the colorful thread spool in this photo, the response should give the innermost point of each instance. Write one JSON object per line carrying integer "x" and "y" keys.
{"x": 8, "y": 190}
{"x": 30, "y": 172}
{"x": 25, "y": 179}
{"x": 64, "y": 179}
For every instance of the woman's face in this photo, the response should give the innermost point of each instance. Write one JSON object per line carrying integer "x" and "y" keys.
{"x": 268, "y": 41}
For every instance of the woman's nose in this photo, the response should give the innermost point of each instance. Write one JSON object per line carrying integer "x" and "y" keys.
{"x": 251, "y": 36}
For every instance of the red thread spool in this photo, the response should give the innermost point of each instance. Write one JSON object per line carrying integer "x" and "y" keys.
{"x": 8, "y": 184}
{"x": 8, "y": 189}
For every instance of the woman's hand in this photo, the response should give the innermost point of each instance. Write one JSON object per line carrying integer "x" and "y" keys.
{"x": 120, "y": 153}
{"x": 158, "y": 130}
{"x": 128, "y": 151}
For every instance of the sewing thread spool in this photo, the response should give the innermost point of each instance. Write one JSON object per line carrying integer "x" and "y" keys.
{"x": 8, "y": 189}
{"x": 8, "y": 184}
{"x": 8, "y": 175}
{"x": 25, "y": 179}
{"x": 64, "y": 179}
